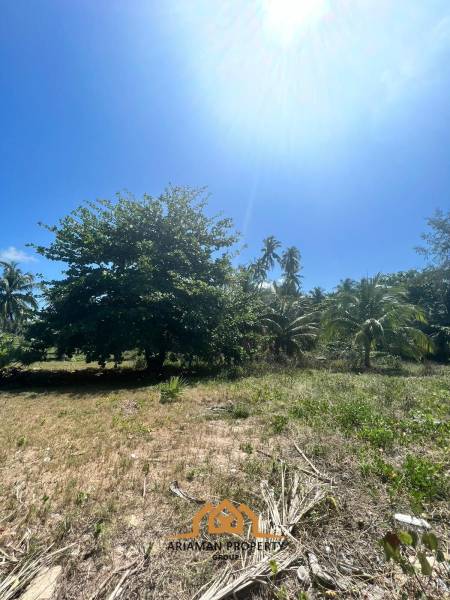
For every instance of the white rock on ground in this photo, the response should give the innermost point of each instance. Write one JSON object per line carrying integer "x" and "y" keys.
{"x": 43, "y": 585}
{"x": 408, "y": 520}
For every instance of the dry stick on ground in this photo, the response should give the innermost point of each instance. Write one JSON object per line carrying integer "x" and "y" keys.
{"x": 118, "y": 590}
{"x": 298, "y": 496}
{"x": 314, "y": 473}
{"x": 175, "y": 489}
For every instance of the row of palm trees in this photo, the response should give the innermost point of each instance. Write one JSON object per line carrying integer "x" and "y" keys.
{"x": 368, "y": 312}
{"x": 289, "y": 261}
{"x": 373, "y": 315}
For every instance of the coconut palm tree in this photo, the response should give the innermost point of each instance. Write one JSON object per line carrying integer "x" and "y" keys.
{"x": 292, "y": 329}
{"x": 269, "y": 252}
{"x": 377, "y": 315}
{"x": 16, "y": 296}
{"x": 260, "y": 268}
{"x": 290, "y": 263}
{"x": 317, "y": 295}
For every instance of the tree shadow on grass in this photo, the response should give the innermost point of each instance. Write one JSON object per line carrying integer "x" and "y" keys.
{"x": 92, "y": 379}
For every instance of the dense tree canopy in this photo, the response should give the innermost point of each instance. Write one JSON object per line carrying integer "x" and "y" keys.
{"x": 155, "y": 275}
{"x": 148, "y": 274}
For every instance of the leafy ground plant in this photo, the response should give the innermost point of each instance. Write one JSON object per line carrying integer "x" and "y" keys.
{"x": 413, "y": 552}
{"x": 171, "y": 390}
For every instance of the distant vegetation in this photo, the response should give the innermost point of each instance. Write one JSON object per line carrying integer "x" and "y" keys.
{"x": 157, "y": 276}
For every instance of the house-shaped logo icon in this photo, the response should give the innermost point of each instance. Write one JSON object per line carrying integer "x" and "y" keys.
{"x": 226, "y": 518}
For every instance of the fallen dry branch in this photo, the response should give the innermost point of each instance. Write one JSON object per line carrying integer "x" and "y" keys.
{"x": 175, "y": 489}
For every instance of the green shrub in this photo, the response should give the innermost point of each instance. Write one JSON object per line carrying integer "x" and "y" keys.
{"x": 353, "y": 414}
{"x": 381, "y": 436}
{"x": 239, "y": 411}
{"x": 279, "y": 423}
{"x": 8, "y": 349}
{"x": 425, "y": 479}
{"x": 14, "y": 349}
{"x": 310, "y": 407}
{"x": 171, "y": 390}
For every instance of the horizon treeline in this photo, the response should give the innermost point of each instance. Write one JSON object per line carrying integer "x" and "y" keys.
{"x": 155, "y": 276}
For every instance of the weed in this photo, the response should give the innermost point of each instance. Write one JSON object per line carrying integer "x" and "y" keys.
{"x": 99, "y": 529}
{"x": 425, "y": 479}
{"x": 279, "y": 423}
{"x": 171, "y": 390}
{"x": 380, "y": 436}
{"x": 239, "y": 411}
{"x": 354, "y": 413}
{"x": 82, "y": 498}
{"x": 246, "y": 447}
{"x": 310, "y": 407}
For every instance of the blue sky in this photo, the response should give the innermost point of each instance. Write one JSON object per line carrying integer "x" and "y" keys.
{"x": 323, "y": 122}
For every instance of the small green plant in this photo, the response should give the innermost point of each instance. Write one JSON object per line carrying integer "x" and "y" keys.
{"x": 307, "y": 408}
{"x": 99, "y": 529}
{"x": 22, "y": 441}
{"x": 279, "y": 423}
{"x": 239, "y": 411}
{"x": 281, "y": 593}
{"x": 425, "y": 479}
{"x": 353, "y": 414}
{"x": 171, "y": 390}
{"x": 82, "y": 498}
{"x": 247, "y": 448}
{"x": 412, "y": 551}
{"x": 380, "y": 437}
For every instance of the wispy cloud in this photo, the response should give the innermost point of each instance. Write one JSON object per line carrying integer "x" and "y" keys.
{"x": 12, "y": 254}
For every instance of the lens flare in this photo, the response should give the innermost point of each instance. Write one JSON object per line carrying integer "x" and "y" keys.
{"x": 286, "y": 20}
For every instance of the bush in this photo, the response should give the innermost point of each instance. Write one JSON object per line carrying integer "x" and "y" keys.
{"x": 380, "y": 436}
{"x": 171, "y": 390}
{"x": 8, "y": 350}
{"x": 279, "y": 423}
{"x": 239, "y": 411}
{"x": 353, "y": 414}
{"x": 425, "y": 479}
{"x": 14, "y": 349}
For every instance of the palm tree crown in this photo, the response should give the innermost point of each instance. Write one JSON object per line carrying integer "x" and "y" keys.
{"x": 269, "y": 252}
{"x": 290, "y": 263}
{"x": 16, "y": 296}
{"x": 291, "y": 327}
{"x": 376, "y": 314}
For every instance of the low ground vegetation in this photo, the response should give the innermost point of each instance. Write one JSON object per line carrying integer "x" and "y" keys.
{"x": 93, "y": 466}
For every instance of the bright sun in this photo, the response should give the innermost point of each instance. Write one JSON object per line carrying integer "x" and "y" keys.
{"x": 285, "y": 20}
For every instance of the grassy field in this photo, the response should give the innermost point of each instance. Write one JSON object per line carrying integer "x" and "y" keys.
{"x": 91, "y": 464}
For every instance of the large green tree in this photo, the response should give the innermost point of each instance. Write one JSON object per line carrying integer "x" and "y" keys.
{"x": 376, "y": 315}
{"x": 151, "y": 274}
{"x": 437, "y": 239}
{"x": 17, "y": 301}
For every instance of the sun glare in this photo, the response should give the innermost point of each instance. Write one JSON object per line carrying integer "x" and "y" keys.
{"x": 286, "y": 20}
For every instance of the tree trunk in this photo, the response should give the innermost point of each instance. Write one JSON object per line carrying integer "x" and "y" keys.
{"x": 367, "y": 355}
{"x": 155, "y": 362}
